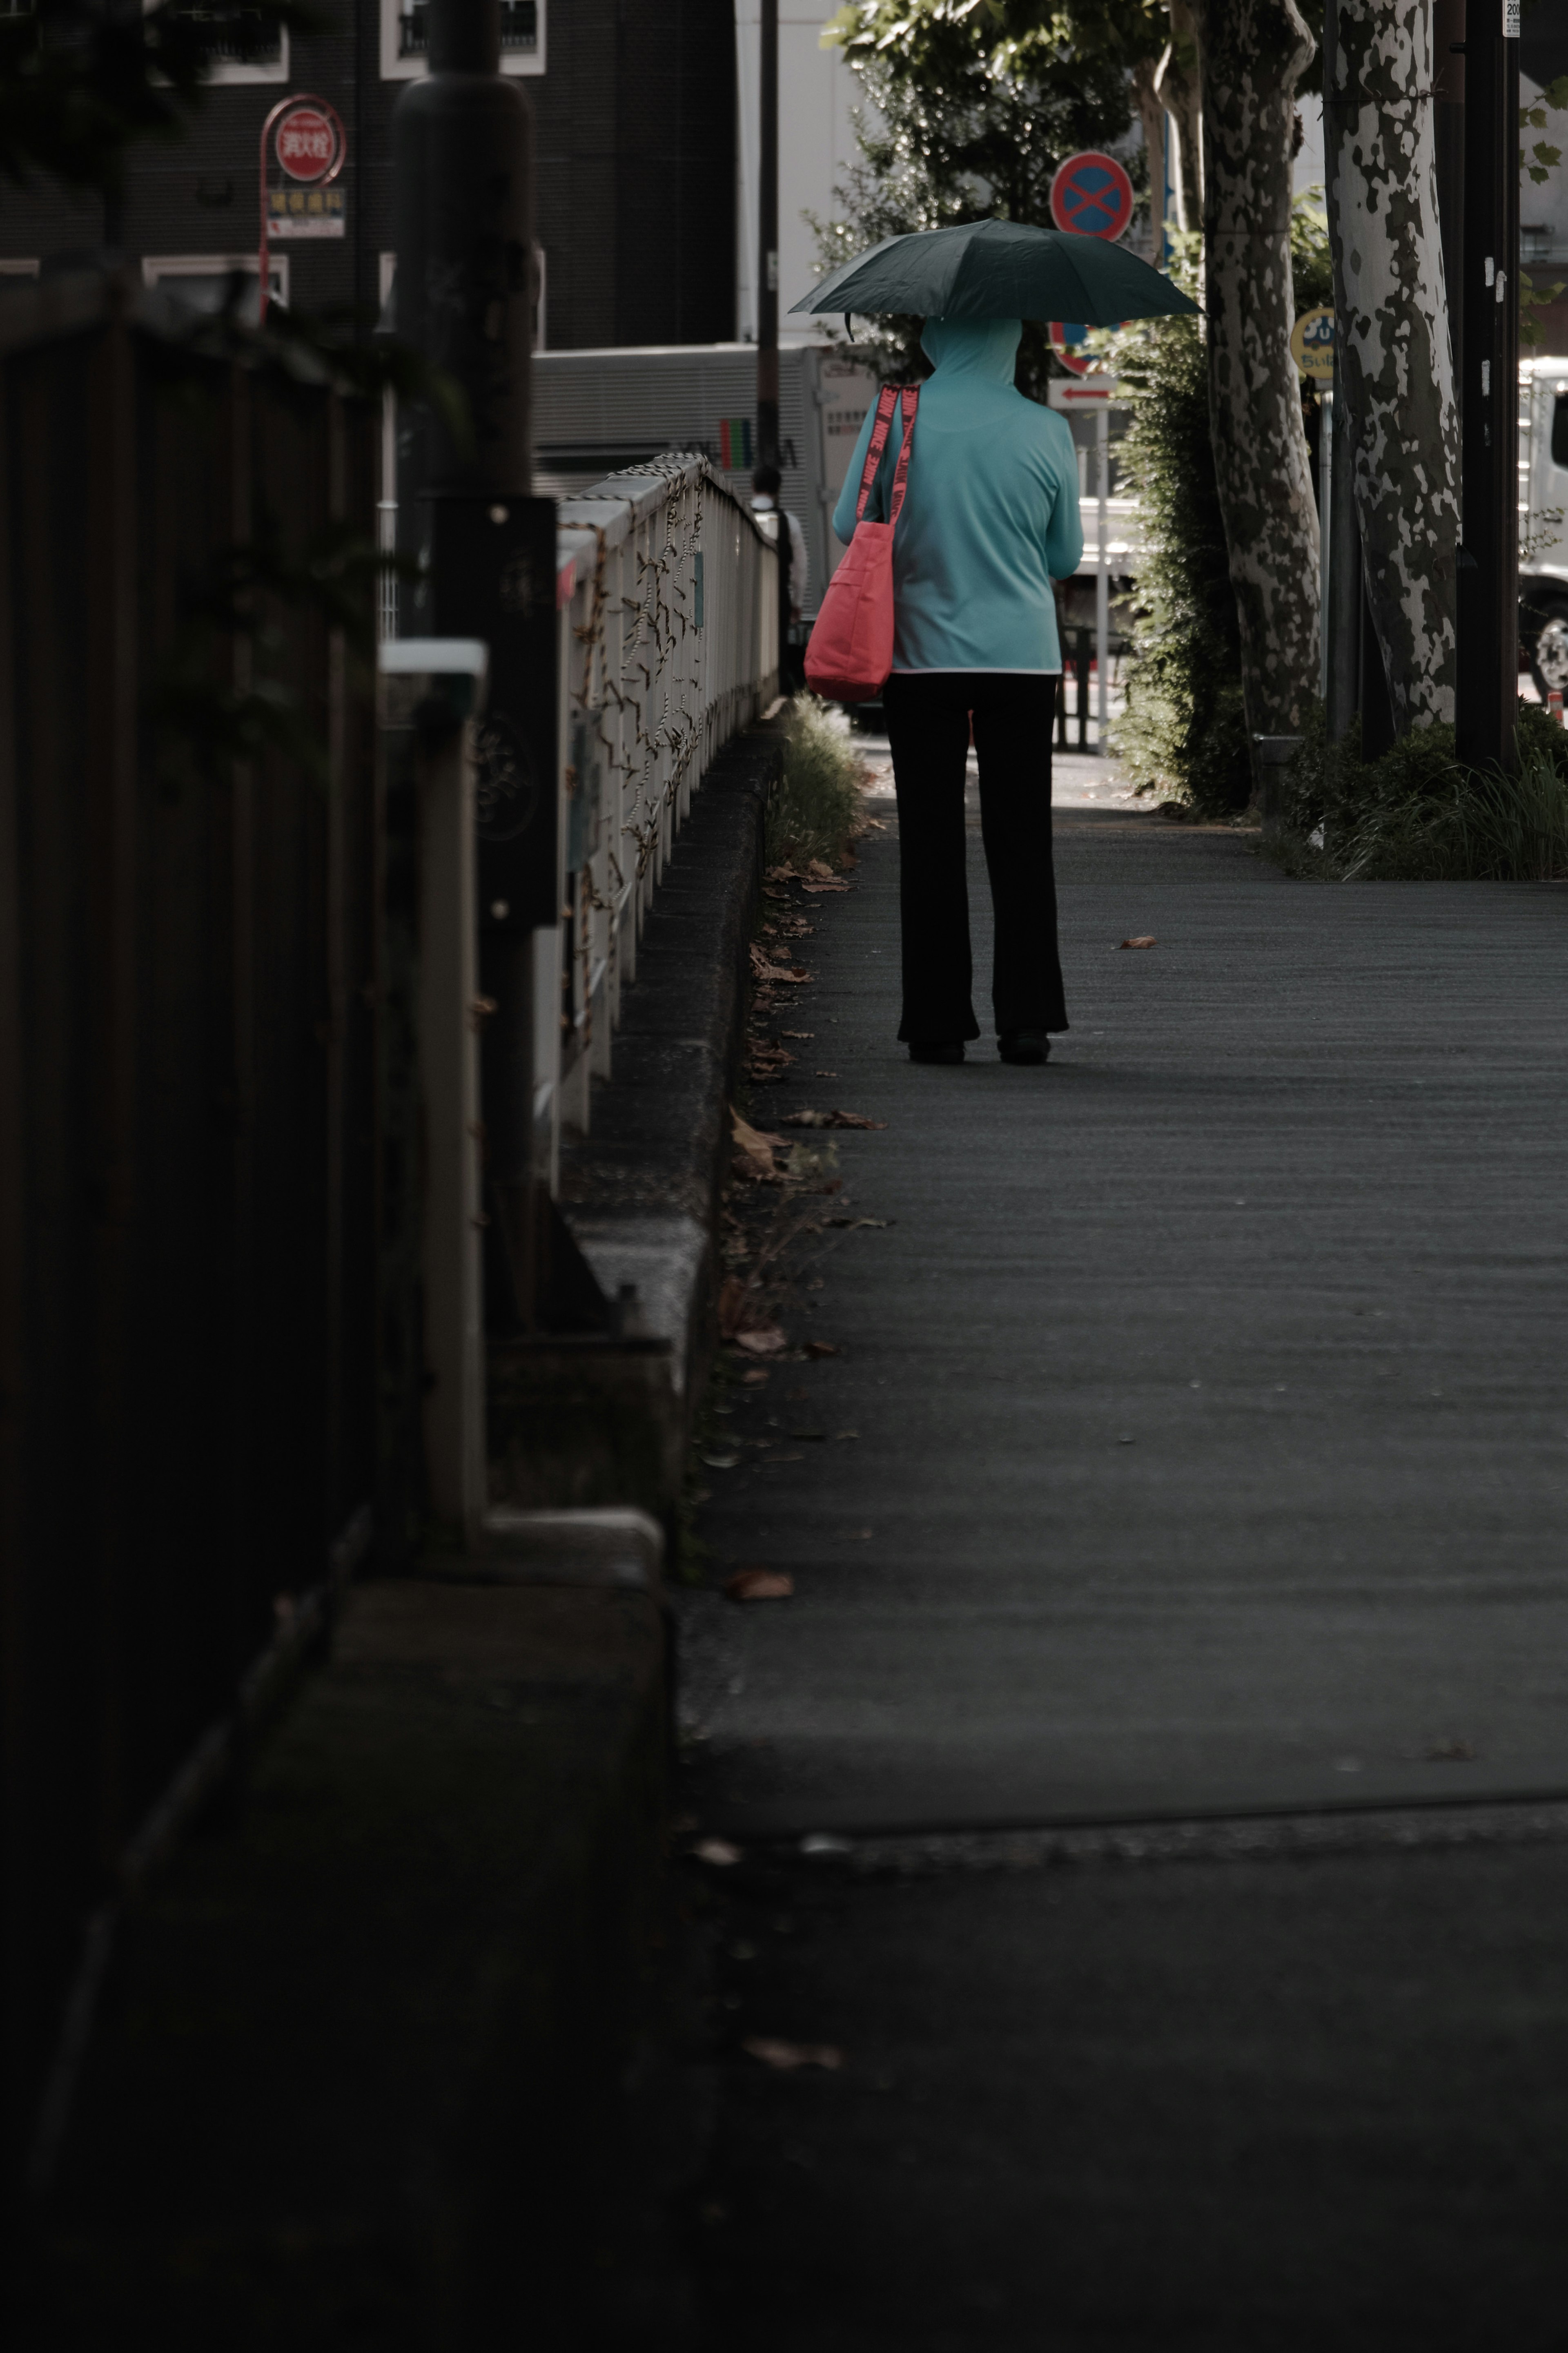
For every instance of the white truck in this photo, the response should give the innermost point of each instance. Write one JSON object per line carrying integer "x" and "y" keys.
{"x": 1543, "y": 522}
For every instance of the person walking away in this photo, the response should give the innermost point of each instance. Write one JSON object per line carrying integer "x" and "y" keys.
{"x": 767, "y": 484}
{"x": 990, "y": 518}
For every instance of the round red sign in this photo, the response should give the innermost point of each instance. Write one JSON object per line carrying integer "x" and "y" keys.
{"x": 1067, "y": 342}
{"x": 1091, "y": 195}
{"x": 306, "y": 142}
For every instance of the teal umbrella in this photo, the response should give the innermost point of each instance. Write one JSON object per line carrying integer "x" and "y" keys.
{"x": 1000, "y": 270}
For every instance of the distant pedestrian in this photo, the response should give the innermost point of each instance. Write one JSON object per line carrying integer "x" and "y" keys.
{"x": 990, "y": 518}
{"x": 767, "y": 486}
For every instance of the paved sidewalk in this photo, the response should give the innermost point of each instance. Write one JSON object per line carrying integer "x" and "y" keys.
{"x": 1209, "y": 1383}
{"x": 1210, "y": 1401}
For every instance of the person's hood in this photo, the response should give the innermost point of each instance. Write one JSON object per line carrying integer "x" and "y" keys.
{"x": 984, "y": 350}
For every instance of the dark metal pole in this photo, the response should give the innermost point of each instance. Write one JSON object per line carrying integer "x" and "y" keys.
{"x": 462, "y": 146}
{"x": 1489, "y": 558}
{"x": 462, "y": 212}
{"x": 1448, "y": 138}
{"x": 1342, "y": 619}
{"x": 768, "y": 245}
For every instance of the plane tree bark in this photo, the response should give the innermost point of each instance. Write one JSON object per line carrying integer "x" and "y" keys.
{"x": 1252, "y": 54}
{"x": 1177, "y": 86}
{"x": 1396, "y": 369}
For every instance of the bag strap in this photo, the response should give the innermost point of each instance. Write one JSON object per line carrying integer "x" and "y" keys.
{"x": 875, "y": 447}
{"x": 911, "y": 399}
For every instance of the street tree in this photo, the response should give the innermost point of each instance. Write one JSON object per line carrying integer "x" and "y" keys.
{"x": 1178, "y": 89}
{"x": 1396, "y": 369}
{"x": 976, "y": 103}
{"x": 1253, "y": 54}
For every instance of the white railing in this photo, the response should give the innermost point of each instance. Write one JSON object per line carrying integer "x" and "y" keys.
{"x": 668, "y": 588}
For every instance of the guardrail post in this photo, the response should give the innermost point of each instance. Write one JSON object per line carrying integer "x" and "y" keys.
{"x": 432, "y": 687}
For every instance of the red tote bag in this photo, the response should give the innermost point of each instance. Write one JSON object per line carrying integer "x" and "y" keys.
{"x": 851, "y": 651}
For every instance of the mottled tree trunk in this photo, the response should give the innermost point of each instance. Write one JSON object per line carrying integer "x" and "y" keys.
{"x": 1177, "y": 85}
{"x": 1253, "y": 53}
{"x": 1151, "y": 115}
{"x": 1396, "y": 367}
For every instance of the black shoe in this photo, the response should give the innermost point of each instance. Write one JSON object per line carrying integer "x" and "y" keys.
{"x": 1023, "y": 1046}
{"x": 945, "y": 1049}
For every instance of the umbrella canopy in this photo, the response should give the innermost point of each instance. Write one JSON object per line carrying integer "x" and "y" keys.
{"x": 1000, "y": 270}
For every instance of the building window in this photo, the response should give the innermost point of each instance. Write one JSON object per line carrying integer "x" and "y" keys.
{"x": 405, "y": 35}
{"x": 245, "y": 48}
{"x": 200, "y": 283}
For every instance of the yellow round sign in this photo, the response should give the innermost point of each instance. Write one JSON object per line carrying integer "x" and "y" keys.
{"x": 1312, "y": 345}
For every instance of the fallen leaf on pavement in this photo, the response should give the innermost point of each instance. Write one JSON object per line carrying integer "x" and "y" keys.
{"x": 823, "y": 1348}
{"x": 755, "y": 1143}
{"x": 755, "y": 1379}
{"x": 845, "y": 1433}
{"x": 813, "y": 889}
{"x": 763, "y": 1340}
{"x": 716, "y": 1851}
{"x": 831, "y": 1119}
{"x": 773, "y": 2053}
{"x": 766, "y": 970}
{"x": 785, "y": 873}
{"x": 1143, "y": 940}
{"x": 732, "y": 1306}
{"x": 819, "y": 871}
{"x": 759, "y": 1585}
{"x": 806, "y": 1034}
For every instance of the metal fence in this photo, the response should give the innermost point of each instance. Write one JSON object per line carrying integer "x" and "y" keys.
{"x": 190, "y": 885}
{"x": 218, "y": 944}
{"x": 669, "y": 589}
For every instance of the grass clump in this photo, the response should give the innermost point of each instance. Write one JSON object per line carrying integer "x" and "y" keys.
{"x": 816, "y": 807}
{"x": 1415, "y": 814}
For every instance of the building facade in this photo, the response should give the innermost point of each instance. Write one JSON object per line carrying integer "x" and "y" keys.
{"x": 634, "y": 104}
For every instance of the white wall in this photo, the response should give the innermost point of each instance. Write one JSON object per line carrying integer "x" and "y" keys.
{"x": 1543, "y": 204}
{"x": 816, "y": 146}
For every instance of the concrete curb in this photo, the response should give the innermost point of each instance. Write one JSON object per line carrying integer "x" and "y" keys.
{"x": 579, "y": 1423}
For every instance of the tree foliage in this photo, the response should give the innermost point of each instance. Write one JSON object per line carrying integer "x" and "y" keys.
{"x": 78, "y": 88}
{"x": 977, "y": 102}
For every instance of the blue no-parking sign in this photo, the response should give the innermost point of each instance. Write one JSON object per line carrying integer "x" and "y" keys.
{"x": 1091, "y": 195}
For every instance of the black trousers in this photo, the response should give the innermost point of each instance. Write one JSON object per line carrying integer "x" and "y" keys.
{"x": 928, "y": 727}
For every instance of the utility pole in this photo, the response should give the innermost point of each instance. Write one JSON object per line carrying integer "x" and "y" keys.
{"x": 462, "y": 221}
{"x": 1339, "y": 618}
{"x": 1448, "y": 137}
{"x": 1488, "y": 696}
{"x": 768, "y": 245}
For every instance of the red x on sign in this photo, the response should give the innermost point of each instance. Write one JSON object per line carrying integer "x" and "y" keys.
{"x": 1093, "y": 195}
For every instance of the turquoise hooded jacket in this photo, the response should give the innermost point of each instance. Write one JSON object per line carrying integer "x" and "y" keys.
{"x": 990, "y": 516}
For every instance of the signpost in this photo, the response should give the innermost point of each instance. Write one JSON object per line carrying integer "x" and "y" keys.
{"x": 1312, "y": 346}
{"x": 1091, "y": 195}
{"x": 1067, "y": 337}
{"x": 302, "y": 139}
